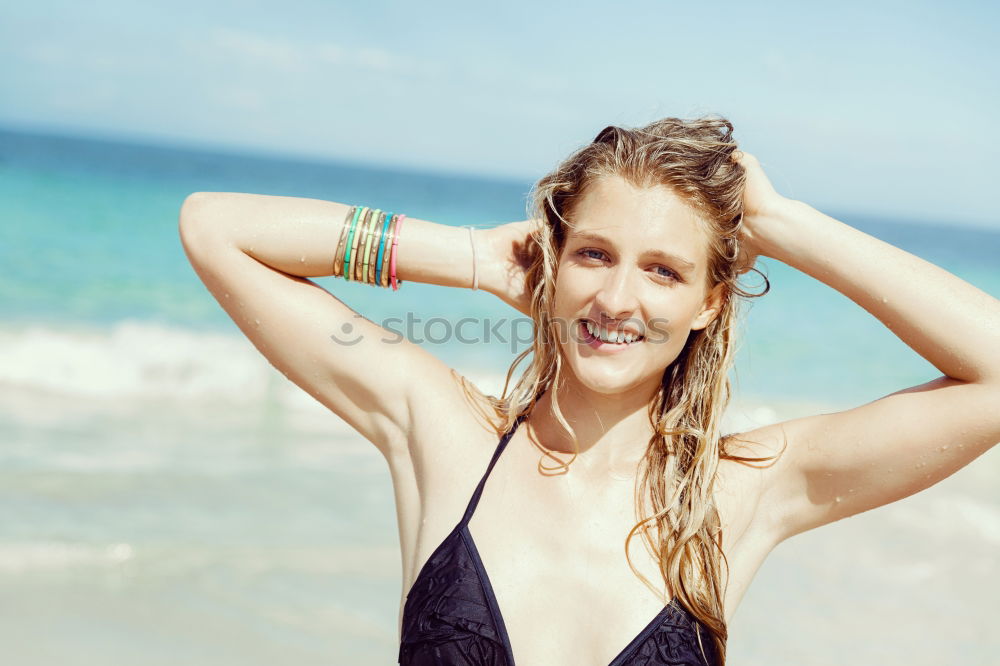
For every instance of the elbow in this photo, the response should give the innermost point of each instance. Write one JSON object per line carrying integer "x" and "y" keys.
{"x": 192, "y": 204}
{"x": 190, "y": 221}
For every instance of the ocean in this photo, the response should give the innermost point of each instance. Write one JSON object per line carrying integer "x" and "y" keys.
{"x": 168, "y": 496}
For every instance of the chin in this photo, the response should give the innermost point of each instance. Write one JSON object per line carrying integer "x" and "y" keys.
{"x": 605, "y": 384}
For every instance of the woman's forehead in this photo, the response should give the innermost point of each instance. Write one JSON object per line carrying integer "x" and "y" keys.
{"x": 611, "y": 197}
{"x": 623, "y": 213}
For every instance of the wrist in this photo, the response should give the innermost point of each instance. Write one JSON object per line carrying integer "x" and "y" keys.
{"x": 487, "y": 258}
{"x": 503, "y": 263}
{"x": 771, "y": 224}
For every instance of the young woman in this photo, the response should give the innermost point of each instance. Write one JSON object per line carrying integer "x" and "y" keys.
{"x": 628, "y": 266}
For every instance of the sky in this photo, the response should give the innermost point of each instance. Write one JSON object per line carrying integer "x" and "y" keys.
{"x": 879, "y": 108}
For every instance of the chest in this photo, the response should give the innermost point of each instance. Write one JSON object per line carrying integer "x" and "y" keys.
{"x": 560, "y": 578}
{"x": 554, "y": 552}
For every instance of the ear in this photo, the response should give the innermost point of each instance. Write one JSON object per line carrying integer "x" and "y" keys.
{"x": 711, "y": 307}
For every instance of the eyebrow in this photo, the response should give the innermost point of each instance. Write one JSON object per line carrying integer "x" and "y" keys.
{"x": 598, "y": 238}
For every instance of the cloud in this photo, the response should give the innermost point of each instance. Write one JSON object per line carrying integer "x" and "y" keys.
{"x": 276, "y": 54}
{"x": 282, "y": 55}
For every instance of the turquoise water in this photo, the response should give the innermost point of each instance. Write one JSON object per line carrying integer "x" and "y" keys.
{"x": 90, "y": 241}
{"x": 163, "y": 485}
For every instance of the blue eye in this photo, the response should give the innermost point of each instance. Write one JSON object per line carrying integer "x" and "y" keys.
{"x": 670, "y": 274}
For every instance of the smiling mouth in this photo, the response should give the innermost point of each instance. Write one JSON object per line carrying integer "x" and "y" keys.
{"x": 594, "y": 341}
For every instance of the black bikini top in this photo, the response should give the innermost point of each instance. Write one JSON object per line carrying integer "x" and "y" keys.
{"x": 451, "y": 617}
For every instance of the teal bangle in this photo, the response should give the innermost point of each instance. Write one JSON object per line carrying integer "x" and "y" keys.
{"x": 350, "y": 240}
{"x": 381, "y": 248}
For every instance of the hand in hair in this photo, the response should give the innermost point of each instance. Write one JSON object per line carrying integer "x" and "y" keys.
{"x": 508, "y": 257}
{"x": 761, "y": 206}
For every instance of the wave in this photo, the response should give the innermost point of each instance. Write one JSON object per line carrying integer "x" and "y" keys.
{"x": 17, "y": 558}
{"x": 131, "y": 358}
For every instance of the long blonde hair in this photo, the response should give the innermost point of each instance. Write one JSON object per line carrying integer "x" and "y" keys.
{"x": 694, "y": 158}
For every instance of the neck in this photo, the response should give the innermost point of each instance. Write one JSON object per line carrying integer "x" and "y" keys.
{"x": 612, "y": 430}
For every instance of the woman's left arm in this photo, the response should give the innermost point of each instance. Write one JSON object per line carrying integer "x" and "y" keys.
{"x": 840, "y": 464}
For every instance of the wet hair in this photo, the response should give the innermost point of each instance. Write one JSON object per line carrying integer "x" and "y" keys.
{"x": 695, "y": 160}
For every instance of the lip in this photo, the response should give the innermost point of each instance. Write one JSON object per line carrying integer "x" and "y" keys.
{"x": 598, "y": 344}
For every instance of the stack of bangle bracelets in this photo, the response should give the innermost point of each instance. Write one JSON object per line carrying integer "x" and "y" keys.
{"x": 364, "y": 248}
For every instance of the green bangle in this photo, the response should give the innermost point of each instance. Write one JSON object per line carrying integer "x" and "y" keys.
{"x": 352, "y": 269}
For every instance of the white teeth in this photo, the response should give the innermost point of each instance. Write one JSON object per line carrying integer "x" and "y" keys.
{"x": 606, "y": 336}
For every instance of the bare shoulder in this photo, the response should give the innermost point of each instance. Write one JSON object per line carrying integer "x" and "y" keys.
{"x": 450, "y": 426}
{"x": 452, "y": 435}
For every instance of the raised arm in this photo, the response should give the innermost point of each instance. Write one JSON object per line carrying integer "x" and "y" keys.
{"x": 255, "y": 252}
{"x": 840, "y": 464}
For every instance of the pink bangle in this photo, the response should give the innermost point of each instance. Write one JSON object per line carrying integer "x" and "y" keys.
{"x": 392, "y": 257}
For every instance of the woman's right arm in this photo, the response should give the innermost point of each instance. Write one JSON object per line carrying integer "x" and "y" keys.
{"x": 255, "y": 252}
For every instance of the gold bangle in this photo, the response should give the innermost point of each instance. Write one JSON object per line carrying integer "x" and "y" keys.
{"x": 354, "y": 249}
{"x": 355, "y": 236}
{"x": 363, "y": 268}
{"x": 388, "y": 252}
{"x": 367, "y": 242}
{"x": 367, "y": 255}
{"x": 367, "y": 252}
{"x": 337, "y": 257}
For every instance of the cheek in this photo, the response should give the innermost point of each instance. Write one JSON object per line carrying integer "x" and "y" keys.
{"x": 671, "y": 323}
{"x": 568, "y": 292}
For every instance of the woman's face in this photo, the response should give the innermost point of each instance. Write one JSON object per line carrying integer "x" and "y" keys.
{"x": 611, "y": 275}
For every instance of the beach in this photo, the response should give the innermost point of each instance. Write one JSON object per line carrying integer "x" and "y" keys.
{"x": 169, "y": 496}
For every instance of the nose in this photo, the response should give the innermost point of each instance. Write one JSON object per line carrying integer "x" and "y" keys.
{"x": 616, "y": 298}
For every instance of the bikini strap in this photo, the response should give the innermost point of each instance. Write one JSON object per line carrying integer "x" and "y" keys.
{"x": 474, "y": 502}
